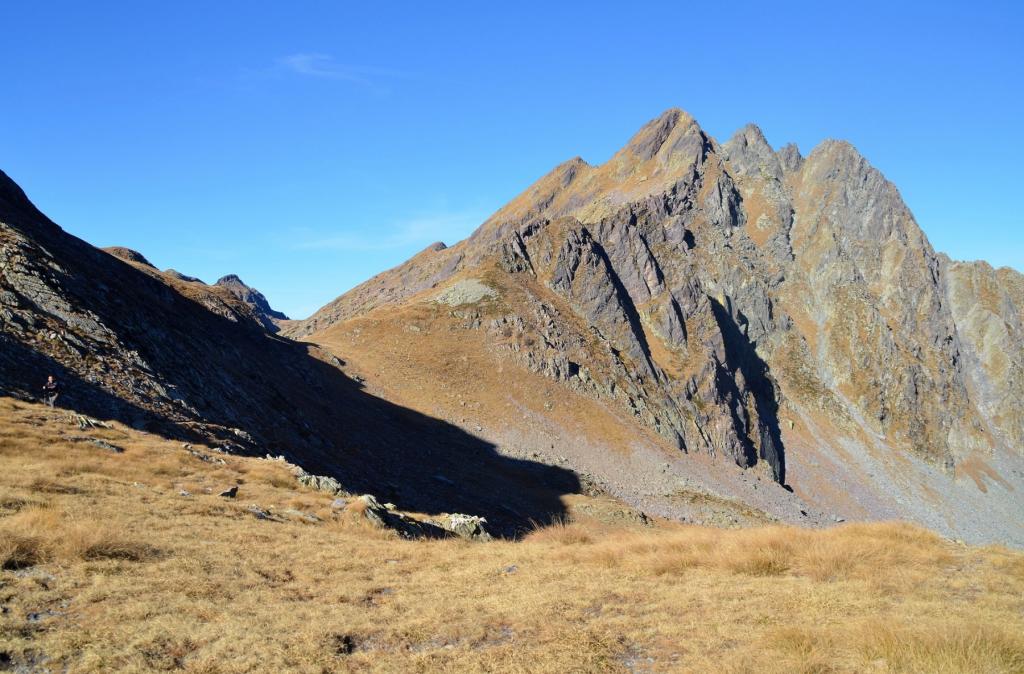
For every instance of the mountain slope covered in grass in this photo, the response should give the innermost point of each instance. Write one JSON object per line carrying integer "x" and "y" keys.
{"x": 118, "y": 554}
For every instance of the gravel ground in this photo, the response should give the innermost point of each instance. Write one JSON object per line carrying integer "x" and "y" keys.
{"x": 832, "y": 484}
{"x": 467, "y": 291}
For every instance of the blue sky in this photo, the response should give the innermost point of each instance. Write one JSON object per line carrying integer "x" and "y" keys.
{"x": 308, "y": 145}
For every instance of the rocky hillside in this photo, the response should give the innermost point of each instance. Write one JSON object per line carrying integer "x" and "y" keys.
{"x": 723, "y": 302}
{"x": 197, "y": 363}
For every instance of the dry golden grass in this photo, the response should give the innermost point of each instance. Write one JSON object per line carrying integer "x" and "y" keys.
{"x": 37, "y": 535}
{"x": 107, "y": 567}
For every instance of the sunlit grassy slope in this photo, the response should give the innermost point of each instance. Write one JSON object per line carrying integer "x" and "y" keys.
{"x": 108, "y": 567}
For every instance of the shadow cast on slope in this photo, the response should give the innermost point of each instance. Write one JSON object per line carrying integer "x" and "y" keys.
{"x": 741, "y": 355}
{"x": 369, "y": 444}
{"x": 240, "y": 384}
{"x": 23, "y": 372}
{"x": 425, "y": 464}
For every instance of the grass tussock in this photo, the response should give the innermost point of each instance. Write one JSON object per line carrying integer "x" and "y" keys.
{"x": 38, "y": 535}
{"x": 887, "y": 644}
{"x": 132, "y": 562}
{"x": 562, "y": 531}
{"x": 270, "y": 473}
{"x": 941, "y": 647}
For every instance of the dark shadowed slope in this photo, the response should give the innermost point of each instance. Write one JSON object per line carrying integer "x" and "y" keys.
{"x": 194, "y": 361}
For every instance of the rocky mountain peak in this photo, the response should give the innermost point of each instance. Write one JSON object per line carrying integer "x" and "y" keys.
{"x": 669, "y": 148}
{"x": 266, "y": 314}
{"x": 750, "y": 135}
{"x": 839, "y": 156}
{"x": 740, "y": 302}
{"x": 655, "y": 134}
{"x": 673, "y": 142}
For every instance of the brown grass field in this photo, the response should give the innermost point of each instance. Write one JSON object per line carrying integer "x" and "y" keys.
{"x": 107, "y": 567}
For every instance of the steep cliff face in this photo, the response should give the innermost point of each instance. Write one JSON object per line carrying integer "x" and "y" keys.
{"x": 133, "y": 342}
{"x": 735, "y": 299}
{"x": 987, "y": 306}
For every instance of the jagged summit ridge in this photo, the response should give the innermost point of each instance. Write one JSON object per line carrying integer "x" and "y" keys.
{"x": 742, "y": 302}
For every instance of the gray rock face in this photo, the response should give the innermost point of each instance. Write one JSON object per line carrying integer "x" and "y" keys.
{"x": 584, "y": 275}
{"x": 987, "y": 307}
{"x": 467, "y": 291}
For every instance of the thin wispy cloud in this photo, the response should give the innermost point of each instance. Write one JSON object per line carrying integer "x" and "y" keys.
{"x": 324, "y": 66}
{"x": 420, "y": 231}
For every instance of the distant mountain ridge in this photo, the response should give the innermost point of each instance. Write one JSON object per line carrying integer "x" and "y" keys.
{"x": 256, "y": 305}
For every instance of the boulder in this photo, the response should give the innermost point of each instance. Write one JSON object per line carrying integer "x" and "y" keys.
{"x": 469, "y": 527}
{"x": 323, "y": 483}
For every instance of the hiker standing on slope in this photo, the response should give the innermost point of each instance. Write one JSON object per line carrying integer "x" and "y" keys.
{"x": 51, "y": 389}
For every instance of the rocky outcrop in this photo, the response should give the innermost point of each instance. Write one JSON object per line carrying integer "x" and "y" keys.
{"x": 185, "y": 278}
{"x": 129, "y": 255}
{"x": 384, "y": 516}
{"x": 987, "y": 308}
{"x": 324, "y": 483}
{"x": 469, "y": 527}
{"x": 467, "y": 291}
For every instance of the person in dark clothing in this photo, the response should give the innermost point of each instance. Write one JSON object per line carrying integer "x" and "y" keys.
{"x": 51, "y": 389}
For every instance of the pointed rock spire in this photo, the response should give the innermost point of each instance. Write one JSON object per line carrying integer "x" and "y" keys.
{"x": 748, "y": 151}
{"x": 790, "y": 157}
